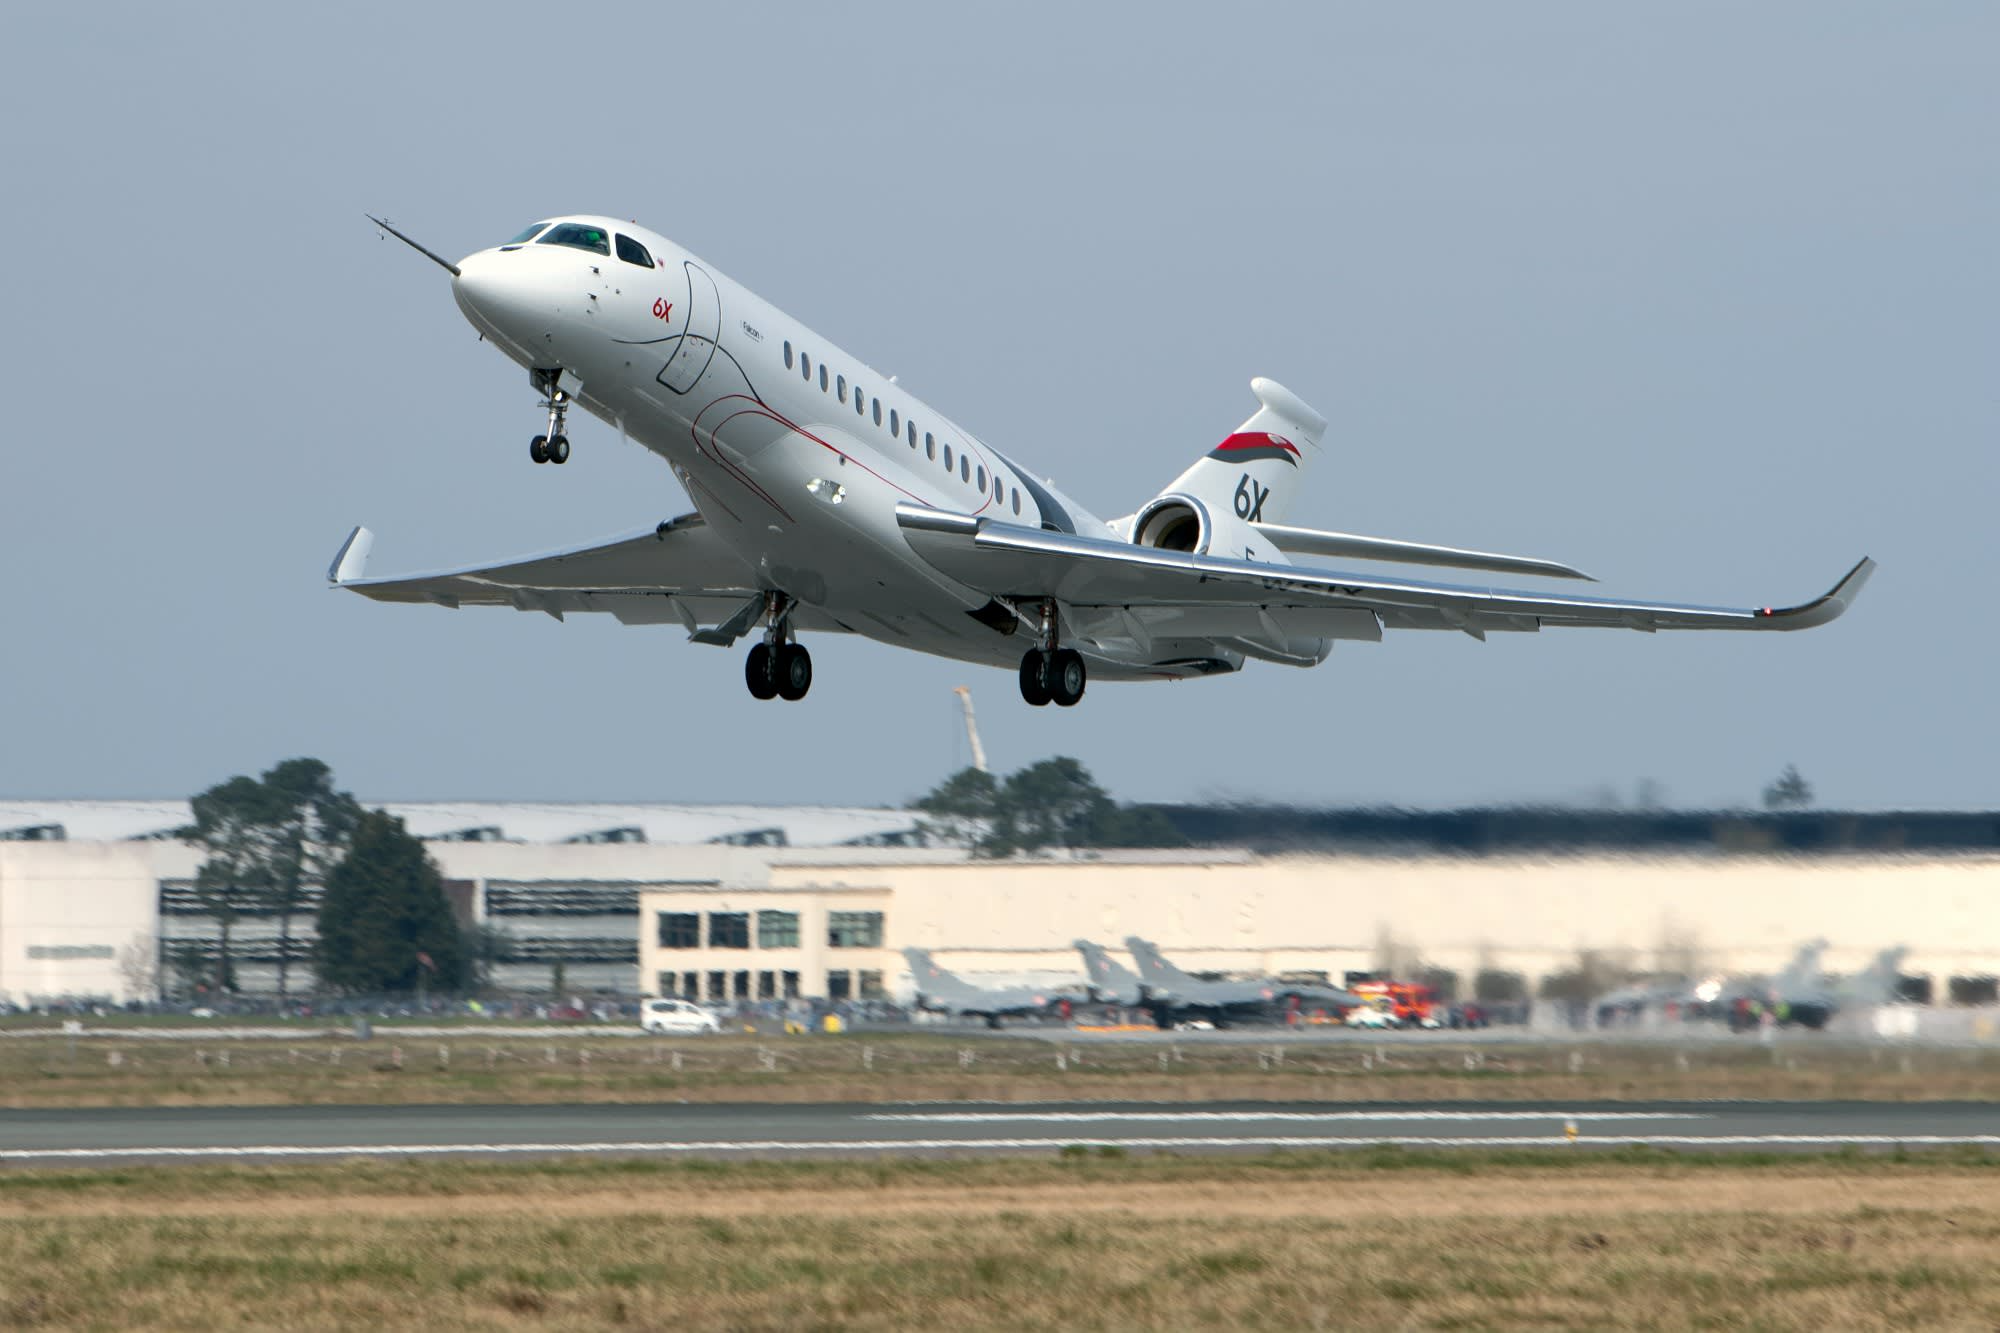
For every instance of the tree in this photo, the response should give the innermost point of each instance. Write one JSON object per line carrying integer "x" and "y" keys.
{"x": 1790, "y": 792}
{"x": 230, "y": 819}
{"x": 962, "y": 808}
{"x": 384, "y": 921}
{"x": 310, "y": 825}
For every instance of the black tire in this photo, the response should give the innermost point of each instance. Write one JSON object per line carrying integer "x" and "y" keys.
{"x": 538, "y": 448}
{"x": 757, "y": 672}
{"x": 1067, "y": 680}
{"x": 559, "y": 449}
{"x": 1035, "y": 678}
{"x": 794, "y": 672}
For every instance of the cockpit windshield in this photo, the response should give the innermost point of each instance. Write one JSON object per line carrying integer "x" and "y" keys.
{"x": 528, "y": 234}
{"x": 580, "y": 235}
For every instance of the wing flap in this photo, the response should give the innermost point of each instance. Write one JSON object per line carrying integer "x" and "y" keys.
{"x": 1353, "y": 546}
{"x": 1008, "y": 560}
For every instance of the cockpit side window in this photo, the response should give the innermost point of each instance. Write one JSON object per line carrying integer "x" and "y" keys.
{"x": 528, "y": 234}
{"x": 580, "y": 235}
{"x": 632, "y": 252}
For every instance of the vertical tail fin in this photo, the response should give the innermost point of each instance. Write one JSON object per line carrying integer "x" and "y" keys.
{"x": 1154, "y": 969}
{"x": 1254, "y": 473}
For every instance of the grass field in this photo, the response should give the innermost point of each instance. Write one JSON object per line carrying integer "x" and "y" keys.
{"x": 46, "y": 1071}
{"x": 1374, "y": 1239}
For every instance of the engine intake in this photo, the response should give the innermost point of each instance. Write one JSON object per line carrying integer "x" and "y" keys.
{"x": 1173, "y": 523}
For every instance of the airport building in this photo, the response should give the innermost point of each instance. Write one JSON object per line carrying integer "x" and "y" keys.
{"x": 744, "y": 902}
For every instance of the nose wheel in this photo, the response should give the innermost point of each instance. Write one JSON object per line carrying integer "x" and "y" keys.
{"x": 552, "y": 446}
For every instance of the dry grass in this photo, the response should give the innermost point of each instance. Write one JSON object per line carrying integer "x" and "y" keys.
{"x": 41, "y": 1072}
{"x": 1312, "y": 1240}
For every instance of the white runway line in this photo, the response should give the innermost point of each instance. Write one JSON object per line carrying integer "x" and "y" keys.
{"x": 1088, "y": 1117}
{"x": 989, "y": 1145}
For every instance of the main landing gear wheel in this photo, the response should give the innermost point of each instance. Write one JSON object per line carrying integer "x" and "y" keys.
{"x": 794, "y": 672}
{"x": 1066, "y": 678}
{"x": 757, "y": 672}
{"x": 559, "y": 449}
{"x": 1035, "y": 678}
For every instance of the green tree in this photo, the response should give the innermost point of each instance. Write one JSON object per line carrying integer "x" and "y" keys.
{"x": 385, "y": 924}
{"x": 230, "y": 823}
{"x": 1790, "y": 792}
{"x": 310, "y": 824}
{"x": 962, "y": 808}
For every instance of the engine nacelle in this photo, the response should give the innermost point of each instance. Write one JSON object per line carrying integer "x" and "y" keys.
{"x": 1173, "y": 523}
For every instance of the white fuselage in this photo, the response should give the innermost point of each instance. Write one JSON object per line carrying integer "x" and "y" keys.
{"x": 795, "y": 451}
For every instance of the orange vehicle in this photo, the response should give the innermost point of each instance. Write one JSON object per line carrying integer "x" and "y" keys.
{"x": 1405, "y": 1001}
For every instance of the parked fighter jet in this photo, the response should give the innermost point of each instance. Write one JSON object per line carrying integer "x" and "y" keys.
{"x": 1173, "y": 995}
{"x": 943, "y": 990}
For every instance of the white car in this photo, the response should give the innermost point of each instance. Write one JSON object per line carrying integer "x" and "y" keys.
{"x": 1364, "y": 1017}
{"x": 677, "y": 1016}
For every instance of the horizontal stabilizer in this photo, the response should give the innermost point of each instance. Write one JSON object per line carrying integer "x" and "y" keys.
{"x": 1353, "y": 546}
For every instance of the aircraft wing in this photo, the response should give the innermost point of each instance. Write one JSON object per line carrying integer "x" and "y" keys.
{"x": 675, "y": 573}
{"x": 1176, "y": 592}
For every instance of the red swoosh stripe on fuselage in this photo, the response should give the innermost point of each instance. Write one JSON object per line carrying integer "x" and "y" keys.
{"x": 1248, "y": 448}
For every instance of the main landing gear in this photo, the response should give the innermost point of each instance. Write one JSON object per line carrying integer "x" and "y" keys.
{"x": 552, "y": 447}
{"x": 1050, "y": 674}
{"x": 778, "y": 668}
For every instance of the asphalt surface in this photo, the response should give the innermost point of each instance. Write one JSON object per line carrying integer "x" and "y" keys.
{"x": 113, "y": 1134}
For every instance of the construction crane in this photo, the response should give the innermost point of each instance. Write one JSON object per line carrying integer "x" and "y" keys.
{"x": 971, "y": 727}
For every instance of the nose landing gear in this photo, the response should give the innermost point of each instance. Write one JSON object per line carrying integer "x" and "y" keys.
{"x": 552, "y": 447}
{"x": 778, "y": 668}
{"x": 1050, "y": 674}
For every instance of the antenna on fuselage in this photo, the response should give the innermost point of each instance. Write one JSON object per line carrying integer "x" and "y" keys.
{"x": 429, "y": 254}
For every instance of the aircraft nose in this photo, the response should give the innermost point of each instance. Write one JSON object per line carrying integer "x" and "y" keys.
{"x": 488, "y": 294}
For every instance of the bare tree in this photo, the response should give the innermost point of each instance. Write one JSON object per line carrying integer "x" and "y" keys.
{"x": 1789, "y": 792}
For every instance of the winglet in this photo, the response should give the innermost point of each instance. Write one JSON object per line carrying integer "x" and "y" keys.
{"x": 351, "y": 561}
{"x": 1824, "y": 609}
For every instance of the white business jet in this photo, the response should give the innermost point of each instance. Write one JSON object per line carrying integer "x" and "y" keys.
{"x": 829, "y": 499}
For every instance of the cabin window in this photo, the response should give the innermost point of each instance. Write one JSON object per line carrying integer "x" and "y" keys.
{"x": 878, "y": 411}
{"x": 806, "y": 367}
{"x": 632, "y": 252}
{"x": 860, "y": 402}
{"x": 965, "y": 468}
{"x": 999, "y": 489}
{"x": 840, "y": 387}
{"x": 913, "y": 434}
{"x": 822, "y": 377}
{"x": 930, "y": 445}
{"x": 1017, "y": 500}
{"x": 788, "y": 355}
{"x": 579, "y": 236}
{"x": 895, "y": 426}
{"x": 982, "y": 481}
{"x": 947, "y": 458}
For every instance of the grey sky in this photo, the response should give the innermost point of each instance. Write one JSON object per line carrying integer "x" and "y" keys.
{"x": 1702, "y": 299}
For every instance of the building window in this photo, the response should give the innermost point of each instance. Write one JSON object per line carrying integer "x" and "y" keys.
{"x": 740, "y": 988}
{"x": 767, "y": 985}
{"x": 718, "y": 985}
{"x": 691, "y": 985}
{"x": 777, "y": 930}
{"x": 871, "y": 985}
{"x": 839, "y": 986}
{"x": 895, "y": 423}
{"x": 854, "y": 930}
{"x": 667, "y": 983}
{"x": 840, "y": 387}
{"x": 680, "y": 930}
{"x": 790, "y": 982}
{"x": 788, "y": 354}
{"x": 728, "y": 930}
{"x": 930, "y": 445}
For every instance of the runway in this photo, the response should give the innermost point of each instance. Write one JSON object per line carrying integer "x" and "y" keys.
{"x": 958, "y": 1128}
